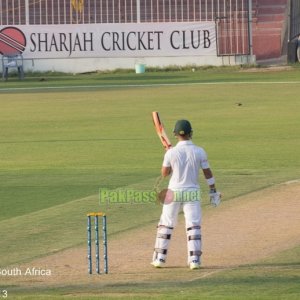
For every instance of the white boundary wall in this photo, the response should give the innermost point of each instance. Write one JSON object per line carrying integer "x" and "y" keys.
{"x": 81, "y": 65}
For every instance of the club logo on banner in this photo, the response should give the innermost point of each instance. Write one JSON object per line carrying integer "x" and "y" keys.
{"x": 12, "y": 41}
{"x": 110, "y": 40}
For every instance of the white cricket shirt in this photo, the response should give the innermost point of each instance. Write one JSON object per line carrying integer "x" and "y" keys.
{"x": 185, "y": 159}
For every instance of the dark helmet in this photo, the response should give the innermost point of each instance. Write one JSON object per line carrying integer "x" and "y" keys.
{"x": 182, "y": 127}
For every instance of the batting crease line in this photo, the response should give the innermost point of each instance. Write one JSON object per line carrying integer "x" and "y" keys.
{"x": 139, "y": 85}
{"x": 208, "y": 274}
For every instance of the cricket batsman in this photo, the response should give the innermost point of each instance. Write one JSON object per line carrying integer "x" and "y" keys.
{"x": 183, "y": 163}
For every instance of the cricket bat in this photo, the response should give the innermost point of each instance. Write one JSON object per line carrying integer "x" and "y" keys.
{"x": 160, "y": 130}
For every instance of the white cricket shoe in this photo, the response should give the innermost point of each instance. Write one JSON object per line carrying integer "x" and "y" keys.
{"x": 195, "y": 264}
{"x": 158, "y": 263}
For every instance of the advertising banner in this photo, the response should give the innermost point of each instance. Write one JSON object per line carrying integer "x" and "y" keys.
{"x": 109, "y": 40}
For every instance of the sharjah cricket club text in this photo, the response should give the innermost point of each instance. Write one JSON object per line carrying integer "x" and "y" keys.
{"x": 118, "y": 41}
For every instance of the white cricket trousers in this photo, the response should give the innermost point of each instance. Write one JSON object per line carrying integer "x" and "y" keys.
{"x": 167, "y": 222}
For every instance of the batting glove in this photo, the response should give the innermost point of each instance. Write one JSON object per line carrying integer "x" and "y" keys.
{"x": 215, "y": 197}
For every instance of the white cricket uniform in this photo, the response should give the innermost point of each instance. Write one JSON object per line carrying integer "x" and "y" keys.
{"x": 185, "y": 159}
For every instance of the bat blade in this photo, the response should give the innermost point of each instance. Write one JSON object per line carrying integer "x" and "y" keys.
{"x": 160, "y": 130}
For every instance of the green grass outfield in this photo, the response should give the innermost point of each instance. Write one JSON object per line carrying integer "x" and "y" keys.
{"x": 64, "y": 137}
